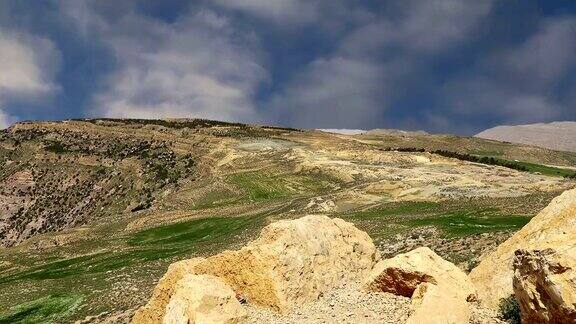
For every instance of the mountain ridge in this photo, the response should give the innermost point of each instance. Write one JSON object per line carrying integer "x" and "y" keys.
{"x": 558, "y": 135}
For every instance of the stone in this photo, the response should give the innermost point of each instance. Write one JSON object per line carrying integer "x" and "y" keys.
{"x": 554, "y": 227}
{"x": 402, "y": 274}
{"x": 295, "y": 261}
{"x": 203, "y": 299}
{"x": 545, "y": 286}
{"x": 440, "y": 291}
{"x": 153, "y": 312}
{"x": 430, "y": 304}
{"x": 291, "y": 263}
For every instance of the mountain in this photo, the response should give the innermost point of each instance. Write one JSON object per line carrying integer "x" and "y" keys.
{"x": 92, "y": 212}
{"x": 559, "y": 136}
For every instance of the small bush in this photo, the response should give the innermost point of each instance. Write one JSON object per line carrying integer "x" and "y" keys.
{"x": 56, "y": 147}
{"x": 510, "y": 310}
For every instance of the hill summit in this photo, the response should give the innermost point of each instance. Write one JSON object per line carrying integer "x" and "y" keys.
{"x": 557, "y": 135}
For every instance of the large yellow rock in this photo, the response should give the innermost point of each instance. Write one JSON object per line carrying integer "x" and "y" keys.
{"x": 295, "y": 261}
{"x": 203, "y": 299}
{"x": 402, "y": 274}
{"x": 554, "y": 227}
{"x": 153, "y": 312}
{"x": 432, "y": 305}
{"x": 292, "y": 262}
{"x": 545, "y": 286}
{"x": 440, "y": 291}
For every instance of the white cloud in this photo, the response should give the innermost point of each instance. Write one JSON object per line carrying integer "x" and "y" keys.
{"x": 26, "y": 63}
{"x": 199, "y": 66}
{"x": 328, "y": 15}
{"x": 292, "y": 11}
{"x": 419, "y": 27}
{"x": 27, "y": 69}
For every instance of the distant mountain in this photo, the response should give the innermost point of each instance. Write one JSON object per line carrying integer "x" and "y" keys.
{"x": 396, "y": 132}
{"x": 557, "y": 135}
{"x": 343, "y": 131}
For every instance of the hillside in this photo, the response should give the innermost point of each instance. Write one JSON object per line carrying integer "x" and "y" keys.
{"x": 93, "y": 211}
{"x": 555, "y": 136}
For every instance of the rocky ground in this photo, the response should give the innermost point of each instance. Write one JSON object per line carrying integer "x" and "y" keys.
{"x": 342, "y": 305}
{"x": 353, "y": 305}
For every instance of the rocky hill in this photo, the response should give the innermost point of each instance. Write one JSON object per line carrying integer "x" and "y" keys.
{"x": 61, "y": 175}
{"x": 556, "y": 136}
{"x": 284, "y": 273}
{"x": 93, "y": 212}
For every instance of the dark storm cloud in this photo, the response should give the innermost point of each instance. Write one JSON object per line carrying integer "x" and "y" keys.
{"x": 443, "y": 65}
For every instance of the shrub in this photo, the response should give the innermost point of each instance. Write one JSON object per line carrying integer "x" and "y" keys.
{"x": 510, "y": 310}
{"x": 56, "y": 147}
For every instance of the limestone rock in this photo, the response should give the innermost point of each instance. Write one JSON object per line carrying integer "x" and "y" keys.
{"x": 292, "y": 262}
{"x": 154, "y": 310}
{"x": 554, "y": 227}
{"x": 431, "y": 304}
{"x": 403, "y": 273}
{"x": 295, "y": 261}
{"x": 203, "y": 299}
{"x": 440, "y": 291}
{"x": 545, "y": 286}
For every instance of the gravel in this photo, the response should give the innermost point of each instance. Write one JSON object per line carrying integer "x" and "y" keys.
{"x": 347, "y": 304}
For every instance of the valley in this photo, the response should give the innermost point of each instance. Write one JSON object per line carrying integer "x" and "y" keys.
{"x": 92, "y": 212}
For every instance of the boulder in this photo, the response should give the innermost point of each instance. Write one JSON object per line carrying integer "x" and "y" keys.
{"x": 292, "y": 262}
{"x": 430, "y": 304}
{"x": 153, "y": 312}
{"x": 440, "y": 291}
{"x": 554, "y": 227}
{"x": 402, "y": 274}
{"x": 203, "y": 299}
{"x": 295, "y": 261}
{"x": 545, "y": 286}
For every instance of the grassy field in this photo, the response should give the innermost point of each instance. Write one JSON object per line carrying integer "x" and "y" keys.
{"x": 194, "y": 233}
{"x": 262, "y": 186}
{"x": 454, "y": 219}
{"x": 547, "y": 170}
{"x": 470, "y": 222}
{"x": 61, "y": 289}
{"x": 49, "y": 309}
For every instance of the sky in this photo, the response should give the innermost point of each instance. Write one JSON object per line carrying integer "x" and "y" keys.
{"x": 443, "y": 66}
